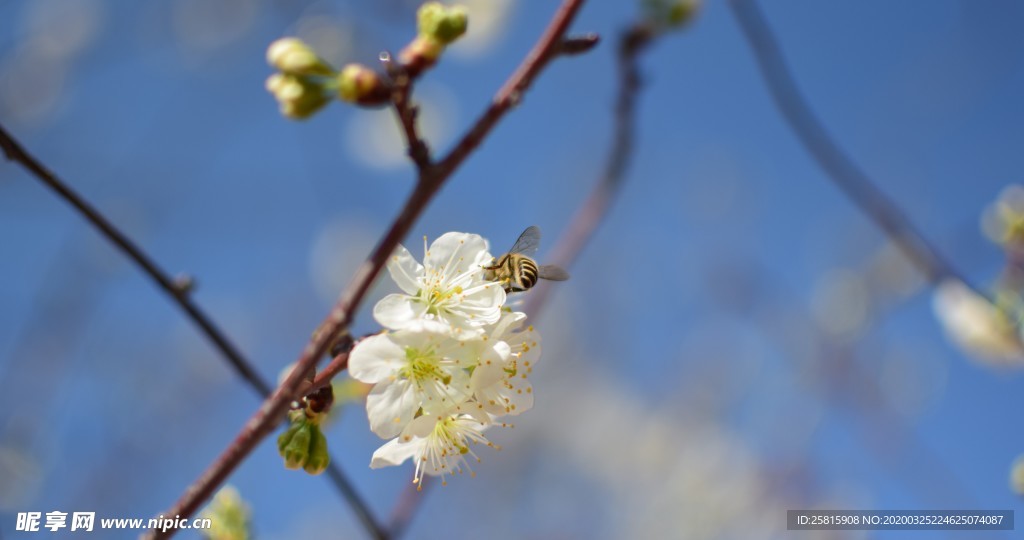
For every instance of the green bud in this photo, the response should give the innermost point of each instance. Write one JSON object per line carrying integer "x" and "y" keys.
{"x": 229, "y": 516}
{"x": 296, "y": 452}
{"x": 285, "y": 438}
{"x": 442, "y": 23}
{"x": 681, "y": 11}
{"x": 299, "y": 97}
{"x": 360, "y": 84}
{"x": 293, "y": 56}
{"x": 671, "y": 13}
{"x": 303, "y": 445}
{"x": 317, "y": 459}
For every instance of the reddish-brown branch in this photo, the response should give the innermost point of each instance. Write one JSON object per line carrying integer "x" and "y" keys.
{"x": 584, "y": 223}
{"x": 326, "y": 375}
{"x": 178, "y": 290}
{"x": 430, "y": 181}
{"x": 407, "y": 113}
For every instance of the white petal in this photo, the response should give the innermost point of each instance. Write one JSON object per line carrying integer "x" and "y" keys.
{"x": 478, "y": 306}
{"x": 510, "y": 322}
{"x": 395, "y": 452}
{"x": 456, "y": 253}
{"x": 486, "y": 375}
{"x": 397, "y": 311}
{"x": 520, "y": 396}
{"x": 405, "y": 270}
{"x": 436, "y": 399}
{"x": 465, "y": 354}
{"x": 390, "y": 406}
{"x": 375, "y": 359}
{"x": 526, "y": 347}
{"x": 421, "y": 427}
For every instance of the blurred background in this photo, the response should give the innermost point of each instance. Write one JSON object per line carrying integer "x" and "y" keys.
{"x": 737, "y": 340}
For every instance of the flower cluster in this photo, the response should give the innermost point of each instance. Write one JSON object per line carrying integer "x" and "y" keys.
{"x": 452, "y": 361}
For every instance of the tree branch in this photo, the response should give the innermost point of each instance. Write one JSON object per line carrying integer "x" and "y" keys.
{"x": 842, "y": 170}
{"x": 589, "y": 215}
{"x": 431, "y": 180}
{"x": 407, "y": 113}
{"x": 178, "y": 290}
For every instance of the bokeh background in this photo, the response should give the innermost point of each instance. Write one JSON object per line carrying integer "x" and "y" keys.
{"x": 737, "y": 340}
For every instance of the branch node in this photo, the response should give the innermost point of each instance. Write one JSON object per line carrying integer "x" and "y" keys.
{"x": 574, "y": 45}
{"x": 184, "y": 284}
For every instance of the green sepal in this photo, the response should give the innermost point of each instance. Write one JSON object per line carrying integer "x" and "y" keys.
{"x": 317, "y": 458}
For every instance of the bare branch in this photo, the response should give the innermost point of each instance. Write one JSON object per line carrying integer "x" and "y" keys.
{"x": 584, "y": 223}
{"x": 273, "y": 409}
{"x": 842, "y": 170}
{"x": 407, "y": 112}
{"x": 178, "y": 289}
{"x": 174, "y": 287}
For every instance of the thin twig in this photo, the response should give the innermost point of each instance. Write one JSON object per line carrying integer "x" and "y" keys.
{"x": 178, "y": 290}
{"x": 837, "y": 165}
{"x": 324, "y": 376}
{"x": 407, "y": 113}
{"x": 178, "y": 293}
{"x": 588, "y": 216}
{"x": 430, "y": 181}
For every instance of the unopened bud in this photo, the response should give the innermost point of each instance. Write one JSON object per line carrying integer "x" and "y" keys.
{"x": 360, "y": 84}
{"x": 442, "y": 23}
{"x": 420, "y": 54}
{"x": 317, "y": 458}
{"x": 681, "y": 11}
{"x": 298, "y": 96}
{"x": 293, "y": 56}
{"x": 303, "y": 445}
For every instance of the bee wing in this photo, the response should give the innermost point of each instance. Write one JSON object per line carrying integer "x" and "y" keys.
{"x": 552, "y": 272}
{"x": 528, "y": 242}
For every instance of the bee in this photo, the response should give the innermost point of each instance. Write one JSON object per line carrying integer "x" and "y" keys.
{"x": 516, "y": 271}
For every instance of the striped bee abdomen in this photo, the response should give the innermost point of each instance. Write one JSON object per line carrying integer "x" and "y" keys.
{"x": 527, "y": 273}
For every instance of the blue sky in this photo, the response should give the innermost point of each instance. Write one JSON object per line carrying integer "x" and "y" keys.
{"x": 159, "y": 116}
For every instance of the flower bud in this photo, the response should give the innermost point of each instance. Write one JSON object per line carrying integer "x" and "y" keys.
{"x": 303, "y": 445}
{"x": 298, "y": 96}
{"x": 442, "y": 23}
{"x": 420, "y": 54}
{"x": 293, "y": 56}
{"x": 681, "y": 11}
{"x": 666, "y": 14}
{"x": 294, "y": 444}
{"x": 229, "y": 516}
{"x": 439, "y": 26}
{"x": 360, "y": 84}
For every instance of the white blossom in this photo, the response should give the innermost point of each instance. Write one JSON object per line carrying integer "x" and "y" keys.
{"x": 439, "y": 444}
{"x": 503, "y": 388}
{"x": 419, "y": 368}
{"x": 448, "y": 288}
{"x": 977, "y": 326}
